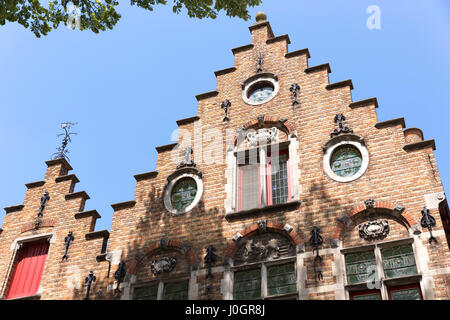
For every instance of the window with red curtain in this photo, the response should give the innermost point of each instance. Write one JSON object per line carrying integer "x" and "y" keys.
{"x": 276, "y": 180}
{"x": 28, "y": 271}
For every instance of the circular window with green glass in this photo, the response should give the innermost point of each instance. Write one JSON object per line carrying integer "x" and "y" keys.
{"x": 183, "y": 193}
{"x": 346, "y": 161}
{"x": 260, "y": 89}
{"x": 261, "y": 92}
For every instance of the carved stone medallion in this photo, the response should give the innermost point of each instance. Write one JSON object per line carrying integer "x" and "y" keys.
{"x": 374, "y": 230}
{"x": 263, "y": 247}
{"x": 165, "y": 264}
{"x": 263, "y": 136}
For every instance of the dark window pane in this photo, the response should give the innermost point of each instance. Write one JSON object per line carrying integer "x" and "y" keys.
{"x": 247, "y": 284}
{"x": 281, "y": 279}
{"x": 145, "y": 293}
{"x": 176, "y": 291}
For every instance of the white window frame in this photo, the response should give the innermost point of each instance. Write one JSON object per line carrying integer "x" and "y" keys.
{"x": 231, "y": 172}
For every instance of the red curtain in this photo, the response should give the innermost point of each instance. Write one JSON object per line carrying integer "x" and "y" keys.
{"x": 28, "y": 272}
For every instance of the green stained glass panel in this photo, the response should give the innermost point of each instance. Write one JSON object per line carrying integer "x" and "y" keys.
{"x": 281, "y": 279}
{"x": 370, "y": 296}
{"x": 398, "y": 261}
{"x": 176, "y": 291}
{"x": 360, "y": 267}
{"x": 346, "y": 161}
{"x": 183, "y": 193}
{"x": 247, "y": 284}
{"x": 261, "y": 94}
{"x": 407, "y": 294}
{"x": 145, "y": 293}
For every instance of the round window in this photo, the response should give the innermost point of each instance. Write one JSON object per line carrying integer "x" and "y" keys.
{"x": 260, "y": 92}
{"x": 260, "y": 89}
{"x": 183, "y": 193}
{"x": 346, "y": 161}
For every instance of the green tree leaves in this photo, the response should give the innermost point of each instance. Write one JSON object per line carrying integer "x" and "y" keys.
{"x": 99, "y": 15}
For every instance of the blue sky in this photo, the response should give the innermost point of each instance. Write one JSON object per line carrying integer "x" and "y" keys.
{"x": 126, "y": 87}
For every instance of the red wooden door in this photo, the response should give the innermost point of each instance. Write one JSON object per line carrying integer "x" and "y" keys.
{"x": 28, "y": 272}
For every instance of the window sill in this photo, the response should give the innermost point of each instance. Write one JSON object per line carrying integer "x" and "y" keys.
{"x": 285, "y": 296}
{"x": 281, "y": 206}
{"x": 36, "y": 296}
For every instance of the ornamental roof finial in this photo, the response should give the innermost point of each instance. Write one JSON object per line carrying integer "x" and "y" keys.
{"x": 260, "y": 17}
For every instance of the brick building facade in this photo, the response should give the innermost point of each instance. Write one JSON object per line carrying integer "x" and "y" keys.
{"x": 281, "y": 187}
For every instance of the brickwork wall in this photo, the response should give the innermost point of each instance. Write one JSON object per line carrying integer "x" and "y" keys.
{"x": 396, "y": 175}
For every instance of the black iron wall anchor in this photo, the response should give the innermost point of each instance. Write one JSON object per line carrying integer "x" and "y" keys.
{"x": 226, "y": 105}
{"x": 339, "y": 119}
{"x": 119, "y": 275}
{"x": 316, "y": 240}
{"x": 44, "y": 200}
{"x": 67, "y": 241}
{"x": 428, "y": 221}
{"x": 89, "y": 279}
{"x": 260, "y": 63}
{"x": 210, "y": 259}
{"x": 294, "y": 89}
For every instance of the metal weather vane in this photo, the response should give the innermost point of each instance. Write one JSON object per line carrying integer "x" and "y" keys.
{"x": 62, "y": 150}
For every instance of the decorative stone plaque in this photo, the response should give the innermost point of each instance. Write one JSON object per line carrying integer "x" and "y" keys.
{"x": 374, "y": 230}
{"x": 165, "y": 264}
